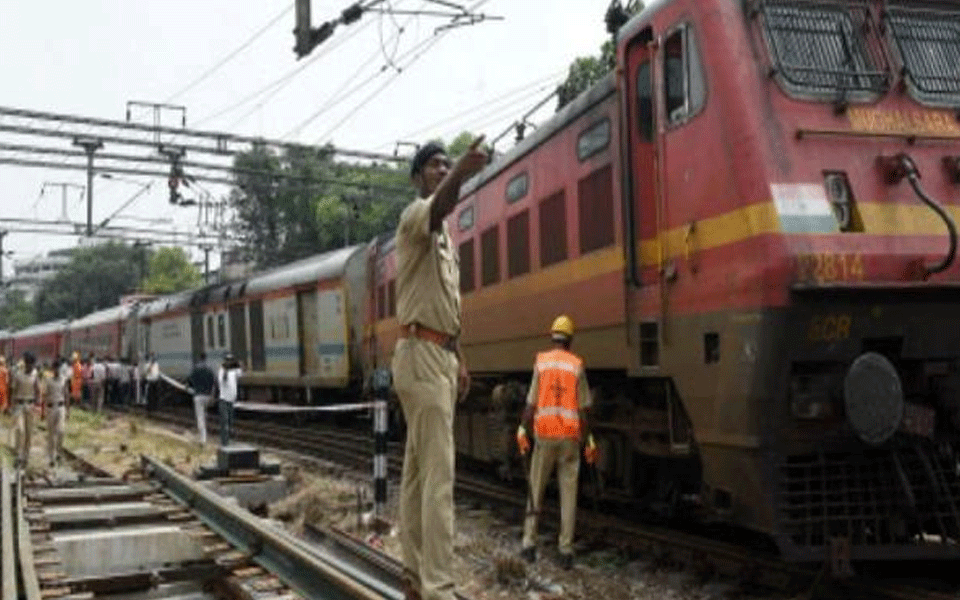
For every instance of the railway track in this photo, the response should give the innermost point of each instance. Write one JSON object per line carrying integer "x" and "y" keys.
{"x": 75, "y": 533}
{"x": 705, "y": 554}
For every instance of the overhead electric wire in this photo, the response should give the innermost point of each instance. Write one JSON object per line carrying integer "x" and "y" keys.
{"x": 427, "y": 44}
{"x": 230, "y": 56}
{"x": 494, "y": 104}
{"x": 275, "y": 86}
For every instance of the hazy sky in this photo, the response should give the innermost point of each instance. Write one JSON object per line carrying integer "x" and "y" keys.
{"x": 89, "y": 57}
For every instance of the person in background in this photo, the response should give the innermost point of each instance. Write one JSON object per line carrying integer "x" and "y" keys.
{"x": 153, "y": 383}
{"x": 76, "y": 378}
{"x": 24, "y": 391}
{"x": 53, "y": 397}
{"x": 203, "y": 383}
{"x": 228, "y": 379}
{"x": 98, "y": 380}
{"x": 556, "y": 403}
{"x": 88, "y": 381}
{"x": 124, "y": 377}
{"x": 4, "y": 386}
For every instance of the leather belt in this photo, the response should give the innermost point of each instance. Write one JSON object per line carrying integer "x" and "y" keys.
{"x": 445, "y": 341}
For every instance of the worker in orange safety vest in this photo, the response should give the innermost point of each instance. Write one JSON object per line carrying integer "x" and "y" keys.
{"x": 556, "y": 403}
{"x": 76, "y": 379}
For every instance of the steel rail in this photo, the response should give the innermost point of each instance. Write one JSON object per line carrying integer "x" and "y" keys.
{"x": 28, "y": 572}
{"x": 8, "y": 556}
{"x": 273, "y": 549}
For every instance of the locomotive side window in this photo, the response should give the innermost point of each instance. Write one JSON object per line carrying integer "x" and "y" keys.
{"x": 465, "y": 220}
{"x": 821, "y": 51}
{"x": 553, "y": 229}
{"x": 595, "y": 139}
{"x": 684, "y": 85}
{"x": 929, "y": 46}
{"x": 467, "y": 276}
{"x": 518, "y": 244}
{"x": 595, "y": 195}
{"x": 489, "y": 256}
{"x": 645, "y": 102}
{"x": 517, "y": 187}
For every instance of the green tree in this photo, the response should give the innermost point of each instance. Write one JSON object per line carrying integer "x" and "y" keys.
{"x": 16, "y": 312}
{"x": 96, "y": 277}
{"x": 303, "y": 202}
{"x": 587, "y": 70}
{"x": 170, "y": 270}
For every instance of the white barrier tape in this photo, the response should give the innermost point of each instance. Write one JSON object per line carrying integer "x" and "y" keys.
{"x": 282, "y": 408}
{"x": 175, "y": 383}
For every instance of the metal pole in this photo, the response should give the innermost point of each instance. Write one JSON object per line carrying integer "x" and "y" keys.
{"x": 206, "y": 264}
{"x": 379, "y": 458}
{"x": 90, "y": 145}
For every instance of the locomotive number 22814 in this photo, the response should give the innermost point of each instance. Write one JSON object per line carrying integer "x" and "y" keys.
{"x": 828, "y": 266}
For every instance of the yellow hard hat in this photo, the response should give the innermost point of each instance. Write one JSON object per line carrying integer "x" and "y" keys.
{"x": 562, "y": 325}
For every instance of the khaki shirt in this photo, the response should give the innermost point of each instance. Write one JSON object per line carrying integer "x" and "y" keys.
{"x": 428, "y": 272}
{"x": 53, "y": 388}
{"x": 23, "y": 386}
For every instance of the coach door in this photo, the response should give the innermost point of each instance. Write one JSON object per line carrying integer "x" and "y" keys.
{"x": 307, "y": 303}
{"x": 258, "y": 355}
{"x": 238, "y": 333}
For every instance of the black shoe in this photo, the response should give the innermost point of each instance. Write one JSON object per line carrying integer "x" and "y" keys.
{"x": 529, "y": 554}
{"x": 566, "y": 561}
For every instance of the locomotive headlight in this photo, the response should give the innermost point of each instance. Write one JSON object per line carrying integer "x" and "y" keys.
{"x": 810, "y": 396}
{"x": 841, "y": 198}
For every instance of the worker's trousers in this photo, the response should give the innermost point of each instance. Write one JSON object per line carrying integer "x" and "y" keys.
{"x": 22, "y": 429}
{"x": 425, "y": 379}
{"x": 200, "y": 402}
{"x": 564, "y": 453}
{"x": 56, "y": 422}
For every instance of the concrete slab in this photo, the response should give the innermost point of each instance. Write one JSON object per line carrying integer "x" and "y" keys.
{"x": 124, "y": 550}
{"x": 107, "y": 510}
{"x": 237, "y": 456}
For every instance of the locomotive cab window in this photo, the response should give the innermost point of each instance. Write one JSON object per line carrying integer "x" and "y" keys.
{"x": 928, "y": 43}
{"x": 684, "y": 86}
{"x": 821, "y": 51}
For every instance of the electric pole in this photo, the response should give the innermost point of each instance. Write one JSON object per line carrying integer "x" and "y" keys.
{"x": 64, "y": 216}
{"x": 90, "y": 145}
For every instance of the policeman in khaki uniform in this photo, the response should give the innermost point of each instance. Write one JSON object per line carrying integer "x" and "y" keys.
{"x": 428, "y": 370}
{"x": 557, "y": 403}
{"x": 24, "y": 387}
{"x": 53, "y": 395}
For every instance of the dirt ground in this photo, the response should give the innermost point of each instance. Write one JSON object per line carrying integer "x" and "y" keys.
{"x": 323, "y": 494}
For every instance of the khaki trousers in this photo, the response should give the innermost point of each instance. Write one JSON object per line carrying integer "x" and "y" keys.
{"x": 425, "y": 379}
{"x": 96, "y": 389}
{"x": 564, "y": 453}
{"x": 22, "y": 428}
{"x": 56, "y": 420}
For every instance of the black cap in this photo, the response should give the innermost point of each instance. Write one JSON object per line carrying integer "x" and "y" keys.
{"x": 424, "y": 153}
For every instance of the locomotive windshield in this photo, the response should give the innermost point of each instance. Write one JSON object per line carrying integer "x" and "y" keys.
{"x": 929, "y": 45}
{"x": 822, "y": 51}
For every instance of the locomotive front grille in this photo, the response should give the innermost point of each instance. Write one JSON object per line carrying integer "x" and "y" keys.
{"x": 904, "y": 495}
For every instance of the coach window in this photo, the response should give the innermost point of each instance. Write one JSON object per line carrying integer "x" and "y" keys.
{"x": 221, "y": 330}
{"x": 210, "y": 331}
{"x": 684, "y": 85}
{"x": 517, "y": 187}
{"x": 595, "y": 139}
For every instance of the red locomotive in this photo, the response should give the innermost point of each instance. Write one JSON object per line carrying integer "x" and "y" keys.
{"x": 752, "y": 225}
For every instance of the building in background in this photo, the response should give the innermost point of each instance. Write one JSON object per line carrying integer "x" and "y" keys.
{"x": 30, "y": 273}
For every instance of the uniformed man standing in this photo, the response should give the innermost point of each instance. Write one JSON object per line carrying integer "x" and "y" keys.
{"x": 24, "y": 390}
{"x": 429, "y": 372}
{"x": 53, "y": 395}
{"x": 557, "y": 403}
